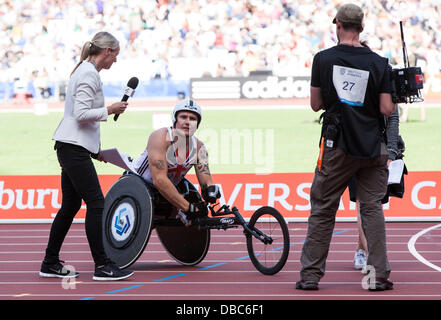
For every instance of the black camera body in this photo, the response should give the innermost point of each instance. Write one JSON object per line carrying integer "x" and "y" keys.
{"x": 406, "y": 85}
{"x": 408, "y": 81}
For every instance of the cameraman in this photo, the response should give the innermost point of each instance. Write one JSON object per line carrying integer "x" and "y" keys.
{"x": 352, "y": 84}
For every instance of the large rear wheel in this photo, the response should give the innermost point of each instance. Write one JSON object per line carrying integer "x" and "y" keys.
{"x": 127, "y": 220}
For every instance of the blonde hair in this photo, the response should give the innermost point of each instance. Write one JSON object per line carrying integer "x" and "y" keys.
{"x": 99, "y": 42}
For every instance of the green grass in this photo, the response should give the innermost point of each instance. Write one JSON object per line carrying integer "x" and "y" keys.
{"x": 271, "y": 141}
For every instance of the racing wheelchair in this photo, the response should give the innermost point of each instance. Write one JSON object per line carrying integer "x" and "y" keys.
{"x": 134, "y": 207}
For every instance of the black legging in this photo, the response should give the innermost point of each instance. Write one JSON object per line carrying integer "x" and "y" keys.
{"x": 79, "y": 181}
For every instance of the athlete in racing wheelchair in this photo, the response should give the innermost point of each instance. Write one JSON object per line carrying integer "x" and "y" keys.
{"x": 160, "y": 197}
{"x": 170, "y": 153}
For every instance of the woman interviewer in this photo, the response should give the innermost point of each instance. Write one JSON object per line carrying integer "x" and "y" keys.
{"x": 77, "y": 140}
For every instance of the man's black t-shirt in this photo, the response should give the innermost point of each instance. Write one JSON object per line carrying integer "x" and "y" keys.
{"x": 351, "y": 80}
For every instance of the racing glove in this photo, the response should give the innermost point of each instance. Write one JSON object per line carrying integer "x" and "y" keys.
{"x": 211, "y": 193}
{"x": 195, "y": 210}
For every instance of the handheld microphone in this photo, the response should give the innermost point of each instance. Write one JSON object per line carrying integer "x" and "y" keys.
{"x": 128, "y": 92}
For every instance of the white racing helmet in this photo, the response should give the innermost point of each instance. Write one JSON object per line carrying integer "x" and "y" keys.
{"x": 187, "y": 105}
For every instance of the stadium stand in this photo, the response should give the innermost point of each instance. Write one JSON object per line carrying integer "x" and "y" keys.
{"x": 184, "y": 39}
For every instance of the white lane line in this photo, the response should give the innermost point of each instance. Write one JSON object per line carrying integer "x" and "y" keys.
{"x": 217, "y": 243}
{"x": 186, "y": 283}
{"x": 416, "y": 254}
{"x": 211, "y": 253}
{"x": 170, "y": 296}
{"x": 167, "y": 271}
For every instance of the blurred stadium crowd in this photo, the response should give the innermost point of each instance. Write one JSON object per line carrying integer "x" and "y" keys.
{"x": 42, "y": 39}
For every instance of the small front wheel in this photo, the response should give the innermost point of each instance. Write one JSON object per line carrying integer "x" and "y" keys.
{"x": 270, "y": 257}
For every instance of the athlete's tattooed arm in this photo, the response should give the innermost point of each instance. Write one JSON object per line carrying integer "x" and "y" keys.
{"x": 159, "y": 164}
{"x": 157, "y": 148}
{"x": 202, "y": 164}
{"x": 202, "y": 169}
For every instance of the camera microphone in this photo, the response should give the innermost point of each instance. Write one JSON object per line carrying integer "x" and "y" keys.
{"x": 128, "y": 92}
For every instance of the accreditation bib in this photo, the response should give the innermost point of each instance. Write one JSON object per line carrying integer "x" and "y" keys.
{"x": 350, "y": 84}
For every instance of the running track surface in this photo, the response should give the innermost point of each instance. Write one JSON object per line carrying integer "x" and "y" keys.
{"x": 414, "y": 251}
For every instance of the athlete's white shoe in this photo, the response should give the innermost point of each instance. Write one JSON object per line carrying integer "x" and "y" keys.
{"x": 360, "y": 259}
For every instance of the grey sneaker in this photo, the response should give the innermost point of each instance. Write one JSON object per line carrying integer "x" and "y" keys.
{"x": 110, "y": 272}
{"x": 56, "y": 270}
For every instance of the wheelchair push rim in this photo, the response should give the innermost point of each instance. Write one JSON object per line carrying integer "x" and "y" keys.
{"x": 186, "y": 245}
